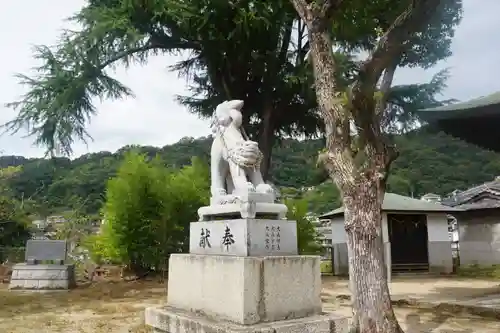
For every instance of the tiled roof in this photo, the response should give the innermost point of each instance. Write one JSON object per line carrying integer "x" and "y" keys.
{"x": 461, "y": 109}
{"x": 483, "y": 204}
{"x": 399, "y": 203}
{"x": 475, "y": 121}
{"x": 491, "y": 189}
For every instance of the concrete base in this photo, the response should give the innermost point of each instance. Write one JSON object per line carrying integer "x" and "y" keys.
{"x": 171, "y": 320}
{"x": 42, "y": 277}
{"x": 245, "y": 290}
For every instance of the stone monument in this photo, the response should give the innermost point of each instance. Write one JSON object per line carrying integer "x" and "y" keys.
{"x": 243, "y": 273}
{"x": 36, "y": 274}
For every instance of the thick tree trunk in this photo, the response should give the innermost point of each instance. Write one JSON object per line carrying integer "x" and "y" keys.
{"x": 266, "y": 141}
{"x": 371, "y": 302}
{"x": 358, "y": 161}
{"x": 360, "y": 178}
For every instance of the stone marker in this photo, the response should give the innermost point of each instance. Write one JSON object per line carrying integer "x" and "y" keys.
{"x": 244, "y": 237}
{"x": 243, "y": 273}
{"x": 34, "y": 275}
{"x": 46, "y": 250}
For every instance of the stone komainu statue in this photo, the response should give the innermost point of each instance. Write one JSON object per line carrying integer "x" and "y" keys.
{"x": 235, "y": 160}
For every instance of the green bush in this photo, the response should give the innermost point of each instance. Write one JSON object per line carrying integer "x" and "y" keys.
{"x": 307, "y": 237}
{"x": 14, "y": 228}
{"x": 147, "y": 212}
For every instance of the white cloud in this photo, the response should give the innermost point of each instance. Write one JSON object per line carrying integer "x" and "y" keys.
{"x": 154, "y": 118}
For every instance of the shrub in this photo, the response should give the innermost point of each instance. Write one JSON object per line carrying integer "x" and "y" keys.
{"x": 147, "y": 212}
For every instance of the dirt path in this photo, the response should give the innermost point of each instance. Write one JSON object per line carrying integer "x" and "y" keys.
{"x": 428, "y": 289}
{"x": 119, "y": 308}
{"x": 427, "y": 321}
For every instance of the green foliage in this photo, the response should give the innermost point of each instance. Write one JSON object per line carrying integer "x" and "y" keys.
{"x": 480, "y": 272}
{"x": 147, "y": 212}
{"x": 326, "y": 267}
{"x": 14, "y": 227}
{"x": 323, "y": 197}
{"x": 249, "y": 52}
{"x": 255, "y": 38}
{"x": 76, "y": 228}
{"x": 5, "y": 175}
{"x": 437, "y": 163}
{"x": 359, "y": 25}
{"x": 307, "y": 237}
{"x": 403, "y": 102}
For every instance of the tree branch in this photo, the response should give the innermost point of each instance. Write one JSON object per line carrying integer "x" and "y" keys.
{"x": 316, "y": 13}
{"x": 302, "y": 7}
{"x": 323, "y": 11}
{"x": 129, "y": 52}
{"x": 287, "y": 37}
{"x": 383, "y": 58}
{"x": 391, "y": 43}
{"x": 153, "y": 43}
{"x": 385, "y": 87}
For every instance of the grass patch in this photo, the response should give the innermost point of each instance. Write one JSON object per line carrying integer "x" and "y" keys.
{"x": 84, "y": 293}
{"x": 326, "y": 267}
{"x": 100, "y": 307}
{"x": 477, "y": 271}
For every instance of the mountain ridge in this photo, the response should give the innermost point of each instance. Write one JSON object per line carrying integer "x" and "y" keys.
{"x": 428, "y": 163}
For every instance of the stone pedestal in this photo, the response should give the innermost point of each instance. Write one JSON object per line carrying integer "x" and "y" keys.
{"x": 172, "y": 320}
{"x": 243, "y": 275}
{"x": 215, "y": 293}
{"x": 42, "y": 277}
{"x": 245, "y": 290}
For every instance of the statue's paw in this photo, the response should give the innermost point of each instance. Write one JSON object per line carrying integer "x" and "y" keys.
{"x": 219, "y": 192}
{"x": 250, "y": 187}
{"x": 264, "y": 188}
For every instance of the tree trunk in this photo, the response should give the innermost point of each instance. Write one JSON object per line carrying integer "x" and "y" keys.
{"x": 371, "y": 302}
{"x": 358, "y": 161}
{"x": 266, "y": 141}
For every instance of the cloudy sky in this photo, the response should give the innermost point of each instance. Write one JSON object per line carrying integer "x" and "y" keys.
{"x": 154, "y": 118}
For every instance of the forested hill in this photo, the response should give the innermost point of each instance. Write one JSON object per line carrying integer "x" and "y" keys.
{"x": 427, "y": 163}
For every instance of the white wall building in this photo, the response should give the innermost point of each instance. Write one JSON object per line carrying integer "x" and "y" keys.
{"x": 414, "y": 232}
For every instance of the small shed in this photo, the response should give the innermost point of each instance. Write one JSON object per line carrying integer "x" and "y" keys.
{"x": 415, "y": 235}
{"x": 478, "y": 223}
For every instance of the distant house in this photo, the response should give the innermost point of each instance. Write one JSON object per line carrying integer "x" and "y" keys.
{"x": 478, "y": 223}
{"x": 55, "y": 219}
{"x": 414, "y": 232}
{"x": 39, "y": 224}
{"x": 431, "y": 197}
